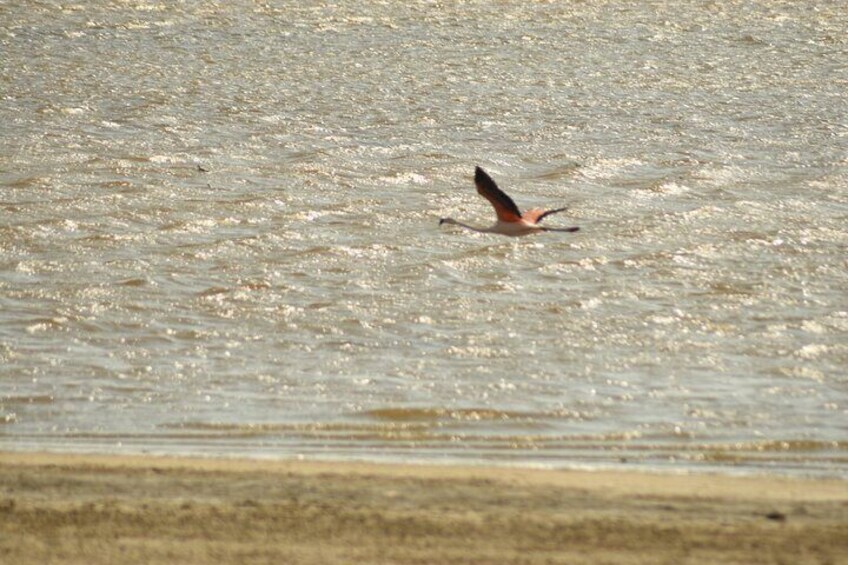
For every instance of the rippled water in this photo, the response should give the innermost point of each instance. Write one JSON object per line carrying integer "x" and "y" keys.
{"x": 219, "y": 231}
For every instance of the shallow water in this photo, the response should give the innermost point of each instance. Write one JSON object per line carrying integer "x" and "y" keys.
{"x": 219, "y": 232}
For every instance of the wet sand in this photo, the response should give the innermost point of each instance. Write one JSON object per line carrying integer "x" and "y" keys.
{"x": 116, "y": 509}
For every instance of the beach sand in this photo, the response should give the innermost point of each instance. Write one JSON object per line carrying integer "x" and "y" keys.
{"x": 115, "y": 509}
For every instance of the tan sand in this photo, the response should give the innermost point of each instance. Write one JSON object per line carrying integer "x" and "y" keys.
{"x": 104, "y": 509}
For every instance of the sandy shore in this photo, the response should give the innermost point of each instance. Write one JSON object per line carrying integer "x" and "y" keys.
{"x": 102, "y": 509}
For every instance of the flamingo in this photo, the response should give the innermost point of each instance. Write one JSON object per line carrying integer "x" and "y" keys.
{"x": 510, "y": 219}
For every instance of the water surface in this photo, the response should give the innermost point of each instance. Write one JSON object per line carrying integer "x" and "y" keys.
{"x": 219, "y": 232}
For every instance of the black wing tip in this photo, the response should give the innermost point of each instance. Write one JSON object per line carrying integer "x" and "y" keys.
{"x": 564, "y": 230}
{"x": 549, "y": 212}
{"x": 482, "y": 177}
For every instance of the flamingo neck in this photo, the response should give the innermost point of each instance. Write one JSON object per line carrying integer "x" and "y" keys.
{"x": 466, "y": 226}
{"x": 472, "y": 228}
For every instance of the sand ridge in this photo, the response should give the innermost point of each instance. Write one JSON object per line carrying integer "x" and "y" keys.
{"x": 133, "y": 509}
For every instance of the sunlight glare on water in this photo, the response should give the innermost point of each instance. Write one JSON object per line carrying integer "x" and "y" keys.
{"x": 219, "y": 232}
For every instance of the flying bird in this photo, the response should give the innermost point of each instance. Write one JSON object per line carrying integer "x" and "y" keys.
{"x": 510, "y": 219}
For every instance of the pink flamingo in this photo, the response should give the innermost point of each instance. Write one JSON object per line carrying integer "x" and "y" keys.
{"x": 510, "y": 219}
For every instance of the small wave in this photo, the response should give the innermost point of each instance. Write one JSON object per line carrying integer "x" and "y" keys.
{"x": 37, "y": 325}
{"x": 404, "y": 179}
{"x": 436, "y": 414}
{"x": 558, "y": 172}
{"x": 133, "y": 282}
{"x": 28, "y": 399}
{"x": 608, "y": 168}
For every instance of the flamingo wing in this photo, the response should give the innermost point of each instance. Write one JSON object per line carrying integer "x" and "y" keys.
{"x": 505, "y": 208}
{"x": 536, "y": 215}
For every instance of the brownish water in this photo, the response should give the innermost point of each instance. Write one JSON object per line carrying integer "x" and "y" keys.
{"x": 218, "y": 231}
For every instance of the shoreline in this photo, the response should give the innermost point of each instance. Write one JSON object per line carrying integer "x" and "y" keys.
{"x": 60, "y": 507}
{"x": 627, "y": 467}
